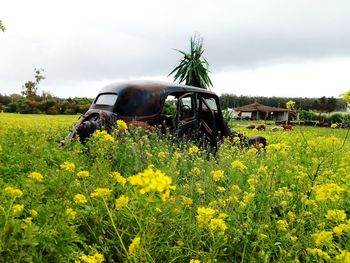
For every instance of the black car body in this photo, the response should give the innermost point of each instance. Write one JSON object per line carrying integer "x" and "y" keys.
{"x": 184, "y": 110}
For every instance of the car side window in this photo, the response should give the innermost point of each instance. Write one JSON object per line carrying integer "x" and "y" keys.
{"x": 169, "y": 108}
{"x": 186, "y": 109}
{"x": 212, "y": 104}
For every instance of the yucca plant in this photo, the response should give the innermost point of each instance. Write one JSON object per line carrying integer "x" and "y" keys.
{"x": 193, "y": 67}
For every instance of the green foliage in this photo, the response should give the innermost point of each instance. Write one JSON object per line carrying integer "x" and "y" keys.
{"x": 346, "y": 97}
{"x": 2, "y": 27}
{"x": 336, "y": 118}
{"x": 307, "y": 115}
{"x": 193, "y": 67}
{"x": 169, "y": 108}
{"x": 227, "y": 114}
{"x": 290, "y": 105}
{"x": 44, "y": 104}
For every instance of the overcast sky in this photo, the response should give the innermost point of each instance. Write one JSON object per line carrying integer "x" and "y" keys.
{"x": 288, "y": 48}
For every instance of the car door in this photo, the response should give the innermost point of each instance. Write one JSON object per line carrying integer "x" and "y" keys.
{"x": 186, "y": 116}
{"x": 206, "y": 119}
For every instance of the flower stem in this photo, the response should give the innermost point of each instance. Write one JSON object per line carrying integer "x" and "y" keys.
{"x": 116, "y": 231}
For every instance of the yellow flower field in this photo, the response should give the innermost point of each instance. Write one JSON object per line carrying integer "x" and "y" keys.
{"x": 145, "y": 197}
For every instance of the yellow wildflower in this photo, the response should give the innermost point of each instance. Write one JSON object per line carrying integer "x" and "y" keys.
{"x": 80, "y": 199}
{"x": 162, "y": 154}
{"x": 17, "y": 208}
{"x": 27, "y": 220}
{"x": 120, "y": 179}
{"x": 33, "y": 213}
{"x": 180, "y": 243}
{"x": 96, "y": 258}
{"x": 336, "y": 215}
{"x": 14, "y": 192}
{"x": 121, "y": 125}
{"x": 195, "y": 261}
{"x": 262, "y": 170}
{"x": 247, "y": 198}
{"x": 217, "y": 175}
{"x": 103, "y": 136}
{"x": 101, "y": 192}
{"x": 218, "y": 225}
{"x": 334, "y": 126}
{"x": 186, "y": 200}
{"x": 70, "y": 213}
{"x": 263, "y": 236}
{"x": 68, "y": 166}
{"x": 193, "y": 149}
{"x": 121, "y": 201}
{"x": 318, "y": 252}
{"x": 291, "y": 215}
{"x": 293, "y": 238}
{"x": 282, "y": 225}
{"x": 195, "y": 171}
{"x": 82, "y": 174}
{"x": 220, "y": 189}
{"x": 277, "y": 148}
{"x": 283, "y": 192}
{"x": 330, "y": 191}
{"x": 236, "y": 189}
{"x": 36, "y": 176}
{"x": 153, "y": 181}
{"x": 283, "y": 203}
{"x": 237, "y": 164}
{"x": 200, "y": 191}
{"x": 135, "y": 243}
{"x": 338, "y": 230}
{"x": 252, "y": 181}
{"x": 344, "y": 256}
{"x": 323, "y": 237}
{"x": 204, "y": 215}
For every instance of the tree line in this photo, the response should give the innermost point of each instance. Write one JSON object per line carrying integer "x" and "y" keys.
{"x": 43, "y": 104}
{"x": 29, "y": 102}
{"x": 47, "y": 103}
{"x": 322, "y": 104}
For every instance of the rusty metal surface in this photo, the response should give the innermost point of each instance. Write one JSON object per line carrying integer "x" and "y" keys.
{"x": 143, "y": 101}
{"x": 141, "y": 104}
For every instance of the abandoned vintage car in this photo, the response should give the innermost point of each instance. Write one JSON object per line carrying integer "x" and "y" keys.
{"x": 184, "y": 110}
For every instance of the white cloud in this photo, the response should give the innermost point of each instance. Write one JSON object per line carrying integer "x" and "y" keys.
{"x": 273, "y": 47}
{"x": 325, "y": 78}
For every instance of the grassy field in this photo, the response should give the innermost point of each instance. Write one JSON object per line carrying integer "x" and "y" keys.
{"x": 137, "y": 197}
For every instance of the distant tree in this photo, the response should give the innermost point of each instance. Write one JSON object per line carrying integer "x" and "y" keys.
{"x": 346, "y": 98}
{"x": 2, "y": 28}
{"x": 31, "y": 87}
{"x": 331, "y": 104}
{"x": 322, "y": 102}
{"x": 193, "y": 67}
{"x": 290, "y": 105}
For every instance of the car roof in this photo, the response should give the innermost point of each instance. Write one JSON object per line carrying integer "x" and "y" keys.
{"x": 163, "y": 88}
